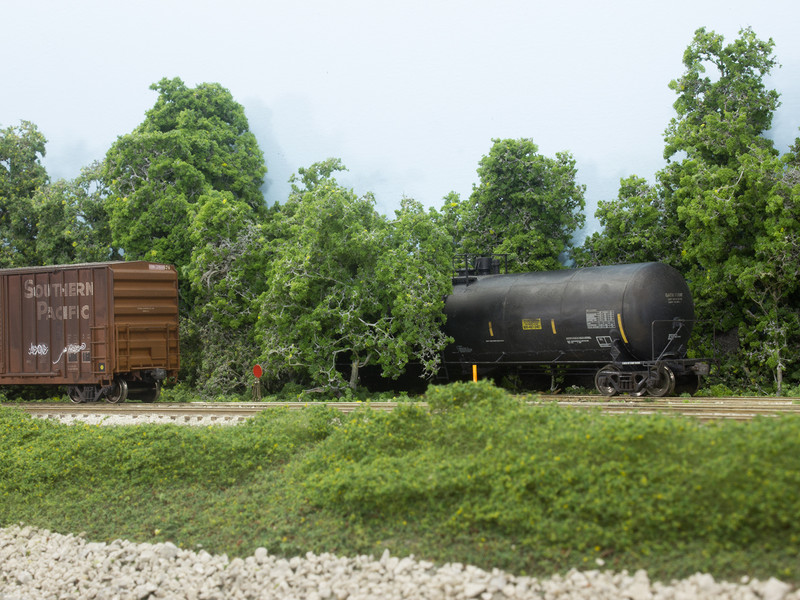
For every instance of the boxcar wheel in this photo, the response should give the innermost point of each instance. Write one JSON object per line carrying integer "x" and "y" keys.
{"x": 152, "y": 394}
{"x": 75, "y": 394}
{"x": 606, "y": 380}
{"x": 119, "y": 393}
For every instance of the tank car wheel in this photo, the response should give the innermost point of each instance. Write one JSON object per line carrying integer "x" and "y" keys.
{"x": 606, "y": 380}
{"x": 641, "y": 387}
{"x": 687, "y": 384}
{"x": 664, "y": 384}
{"x": 119, "y": 393}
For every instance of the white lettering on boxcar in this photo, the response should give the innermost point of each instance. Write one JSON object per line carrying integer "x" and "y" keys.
{"x": 58, "y": 290}
{"x": 61, "y": 313}
{"x": 43, "y": 292}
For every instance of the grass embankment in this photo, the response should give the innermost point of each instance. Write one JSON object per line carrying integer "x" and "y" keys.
{"x": 481, "y": 478}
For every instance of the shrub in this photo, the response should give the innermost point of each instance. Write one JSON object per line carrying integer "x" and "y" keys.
{"x": 557, "y": 477}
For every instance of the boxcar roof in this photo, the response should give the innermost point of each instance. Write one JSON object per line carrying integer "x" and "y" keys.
{"x": 46, "y": 268}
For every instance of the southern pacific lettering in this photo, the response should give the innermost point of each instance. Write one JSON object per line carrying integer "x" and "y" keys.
{"x": 74, "y": 289}
{"x": 58, "y": 290}
{"x": 61, "y": 313}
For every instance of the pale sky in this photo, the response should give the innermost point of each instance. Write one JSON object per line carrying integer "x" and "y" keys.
{"x": 408, "y": 94}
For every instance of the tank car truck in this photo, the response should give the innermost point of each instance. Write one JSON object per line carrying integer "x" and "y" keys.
{"x": 626, "y": 325}
{"x": 102, "y": 330}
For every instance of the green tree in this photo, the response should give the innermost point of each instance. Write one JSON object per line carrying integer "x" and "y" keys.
{"x": 762, "y": 276}
{"x": 451, "y": 217}
{"x": 636, "y": 227}
{"x": 413, "y": 275}
{"x": 317, "y": 311}
{"x": 194, "y": 143}
{"x": 21, "y": 175}
{"x": 71, "y": 222}
{"x": 727, "y": 182}
{"x": 526, "y": 205}
{"x": 227, "y": 274}
{"x": 347, "y": 288}
{"x": 719, "y": 116}
{"x": 185, "y": 188}
{"x": 725, "y": 114}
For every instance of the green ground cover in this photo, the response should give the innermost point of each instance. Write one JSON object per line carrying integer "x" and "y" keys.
{"x": 479, "y": 477}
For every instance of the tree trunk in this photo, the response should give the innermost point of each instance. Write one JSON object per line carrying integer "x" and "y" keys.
{"x": 355, "y": 365}
{"x": 354, "y": 374}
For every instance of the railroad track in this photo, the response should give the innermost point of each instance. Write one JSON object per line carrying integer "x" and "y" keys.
{"x": 705, "y": 409}
{"x": 180, "y": 412}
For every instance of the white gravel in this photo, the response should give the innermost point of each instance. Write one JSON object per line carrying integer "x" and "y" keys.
{"x": 38, "y": 564}
{"x": 99, "y": 419}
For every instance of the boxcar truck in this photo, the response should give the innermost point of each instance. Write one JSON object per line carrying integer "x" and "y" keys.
{"x": 102, "y": 330}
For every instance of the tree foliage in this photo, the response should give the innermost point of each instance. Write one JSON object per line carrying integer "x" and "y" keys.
{"x": 227, "y": 274}
{"x": 348, "y": 288}
{"x": 193, "y": 144}
{"x": 317, "y": 310}
{"x": 722, "y": 115}
{"x": 185, "y": 188}
{"x": 44, "y": 222}
{"x": 71, "y": 222}
{"x": 413, "y": 275}
{"x": 21, "y": 175}
{"x": 526, "y": 205}
{"x": 739, "y": 216}
{"x": 637, "y": 226}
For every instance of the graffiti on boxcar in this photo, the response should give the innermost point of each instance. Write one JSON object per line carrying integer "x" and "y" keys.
{"x": 70, "y": 349}
{"x": 38, "y": 350}
{"x": 43, "y": 350}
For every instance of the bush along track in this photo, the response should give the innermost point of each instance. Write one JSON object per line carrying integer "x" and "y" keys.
{"x": 479, "y": 477}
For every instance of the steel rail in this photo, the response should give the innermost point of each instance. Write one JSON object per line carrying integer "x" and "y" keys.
{"x": 239, "y": 410}
{"x": 738, "y": 408}
{"x": 701, "y": 408}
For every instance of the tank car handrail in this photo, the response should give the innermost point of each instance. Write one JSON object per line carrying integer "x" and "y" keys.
{"x": 677, "y": 325}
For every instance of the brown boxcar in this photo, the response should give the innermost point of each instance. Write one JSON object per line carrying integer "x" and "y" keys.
{"x": 103, "y": 330}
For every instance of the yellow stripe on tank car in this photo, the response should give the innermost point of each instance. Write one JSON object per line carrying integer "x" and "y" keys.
{"x": 491, "y": 333}
{"x": 553, "y": 325}
{"x": 621, "y": 328}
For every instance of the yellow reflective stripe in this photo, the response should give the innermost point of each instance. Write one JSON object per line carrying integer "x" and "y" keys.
{"x": 621, "y": 328}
